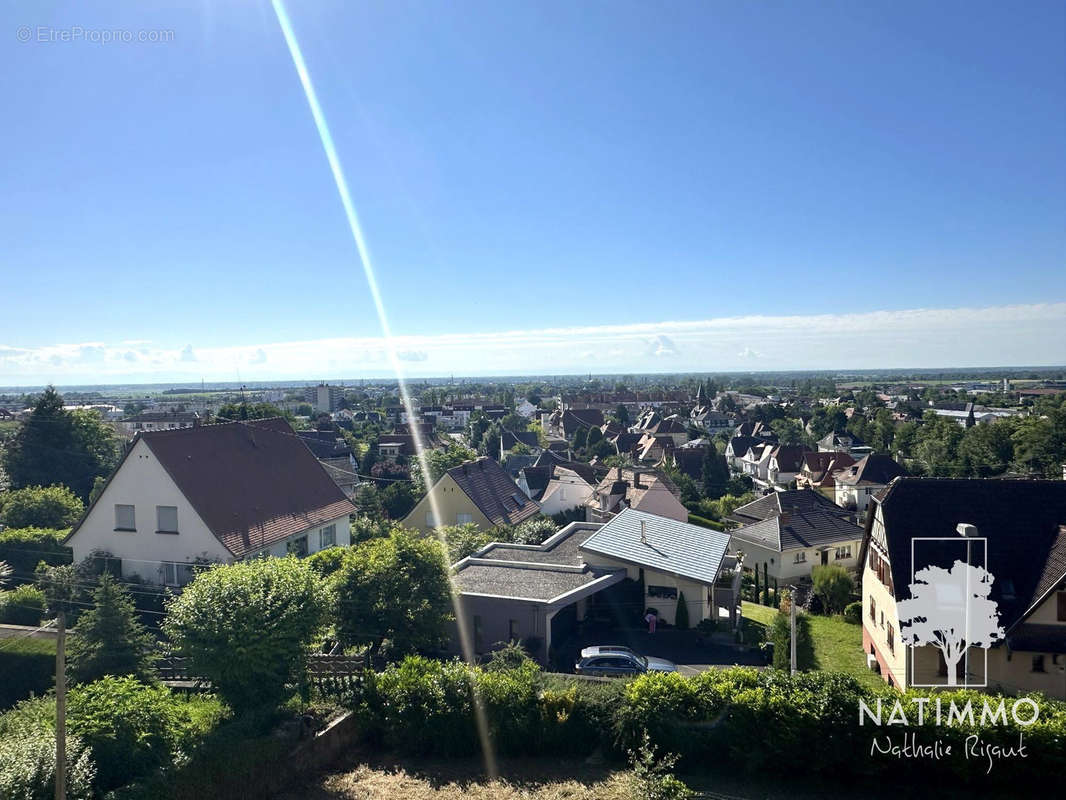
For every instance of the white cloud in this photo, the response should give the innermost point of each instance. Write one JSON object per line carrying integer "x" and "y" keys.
{"x": 996, "y": 336}
{"x": 662, "y": 345}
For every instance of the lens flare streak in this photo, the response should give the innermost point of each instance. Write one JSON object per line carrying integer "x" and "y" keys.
{"x": 386, "y": 331}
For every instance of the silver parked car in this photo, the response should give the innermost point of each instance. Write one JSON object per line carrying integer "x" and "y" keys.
{"x": 615, "y": 661}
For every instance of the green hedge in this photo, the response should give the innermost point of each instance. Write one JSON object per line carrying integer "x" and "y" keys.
{"x": 23, "y": 605}
{"x": 696, "y": 519}
{"x": 24, "y": 548}
{"x": 28, "y": 666}
{"x": 748, "y": 720}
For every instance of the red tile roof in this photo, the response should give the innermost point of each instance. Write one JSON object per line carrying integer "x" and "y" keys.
{"x": 253, "y": 483}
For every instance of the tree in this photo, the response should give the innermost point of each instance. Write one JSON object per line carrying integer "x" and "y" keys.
{"x": 40, "y": 507}
{"x": 439, "y": 462}
{"x": 247, "y": 627}
{"x": 109, "y": 640}
{"x": 580, "y": 437}
{"x": 833, "y": 585}
{"x": 938, "y": 442}
{"x": 56, "y": 446}
{"x": 244, "y": 411}
{"x": 681, "y": 614}
{"x": 464, "y": 540}
{"x": 621, "y": 414}
{"x": 930, "y": 617}
{"x": 594, "y": 435}
{"x": 714, "y": 474}
{"x": 765, "y": 585}
{"x": 755, "y": 593}
{"x": 789, "y": 431}
{"x": 396, "y": 590}
{"x": 398, "y": 499}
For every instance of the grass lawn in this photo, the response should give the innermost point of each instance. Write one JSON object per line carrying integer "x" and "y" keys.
{"x": 837, "y": 644}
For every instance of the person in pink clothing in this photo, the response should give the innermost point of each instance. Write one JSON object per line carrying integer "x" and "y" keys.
{"x": 652, "y": 618}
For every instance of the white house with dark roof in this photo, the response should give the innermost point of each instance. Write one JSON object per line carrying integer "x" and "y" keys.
{"x": 854, "y": 486}
{"x": 536, "y": 593}
{"x": 788, "y": 544}
{"x": 212, "y": 493}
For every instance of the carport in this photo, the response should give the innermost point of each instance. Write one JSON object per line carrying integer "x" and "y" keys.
{"x": 514, "y": 592}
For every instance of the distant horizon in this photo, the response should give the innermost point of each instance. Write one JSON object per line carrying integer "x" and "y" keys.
{"x": 354, "y": 382}
{"x": 973, "y": 337}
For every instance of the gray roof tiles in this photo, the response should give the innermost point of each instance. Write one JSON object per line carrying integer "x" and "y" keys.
{"x": 671, "y": 546}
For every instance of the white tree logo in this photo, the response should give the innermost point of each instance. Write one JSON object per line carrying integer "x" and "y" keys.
{"x": 950, "y": 610}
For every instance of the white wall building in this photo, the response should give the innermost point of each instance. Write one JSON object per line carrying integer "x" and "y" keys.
{"x": 213, "y": 493}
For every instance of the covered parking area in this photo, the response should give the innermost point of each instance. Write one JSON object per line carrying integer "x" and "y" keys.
{"x": 533, "y": 604}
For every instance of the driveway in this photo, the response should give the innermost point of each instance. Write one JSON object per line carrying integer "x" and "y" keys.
{"x": 691, "y": 654}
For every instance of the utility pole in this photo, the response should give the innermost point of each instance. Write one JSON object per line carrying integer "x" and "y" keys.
{"x": 792, "y": 623}
{"x": 61, "y": 707}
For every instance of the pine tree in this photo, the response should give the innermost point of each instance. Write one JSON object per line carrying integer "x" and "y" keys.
{"x": 681, "y": 615}
{"x": 765, "y": 585}
{"x": 755, "y": 594}
{"x": 109, "y": 639}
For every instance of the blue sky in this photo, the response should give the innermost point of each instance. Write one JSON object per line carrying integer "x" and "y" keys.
{"x": 620, "y": 169}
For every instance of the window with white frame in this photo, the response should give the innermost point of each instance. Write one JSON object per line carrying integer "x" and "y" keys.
{"x": 125, "y": 518}
{"x": 166, "y": 519}
{"x": 327, "y": 536}
{"x": 844, "y": 552}
{"x": 464, "y": 519}
{"x": 177, "y": 573}
{"x": 801, "y": 557}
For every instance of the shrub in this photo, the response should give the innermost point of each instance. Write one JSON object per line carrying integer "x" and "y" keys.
{"x": 40, "y": 507}
{"x": 133, "y": 728}
{"x": 28, "y": 767}
{"x": 28, "y": 666}
{"x": 22, "y": 606}
{"x": 781, "y": 636}
{"x": 248, "y": 627}
{"x": 510, "y": 701}
{"x": 534, "y": 530}
{"x": 108, "y": 638}
{"x": 24, "y": 548}
{"x": 650, "y": 774}
{"x": 396, "y": 590}
{"x": 463, "y": 540}
{"x": 511, "y": 656}
{"x": 681, "y": 614}
{"x": 327, "y": 562}
{"x": 833, "y": 586}
{"x": 853, "y": 612}
{"x": 427, "y": 707}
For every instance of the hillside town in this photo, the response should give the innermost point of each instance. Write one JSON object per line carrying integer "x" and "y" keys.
{"x": 555, "y": 400}
{"x": 598, "y": 528}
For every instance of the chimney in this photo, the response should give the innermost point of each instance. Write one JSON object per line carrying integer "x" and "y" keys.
{"x": 636, "y": 479}
{"x": 618, "y": 474}
{"x": 643, "y": 532}
{"x": 966, "y": 530}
